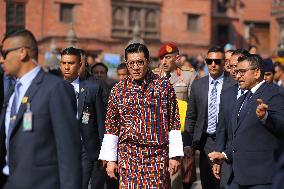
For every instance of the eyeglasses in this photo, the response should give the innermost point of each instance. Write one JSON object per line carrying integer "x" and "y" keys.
{"x": 242, "y": 72}
{"x": 4, "y": 53}
{"x": 139, "y": 63}
{"x": 209, "y": 61}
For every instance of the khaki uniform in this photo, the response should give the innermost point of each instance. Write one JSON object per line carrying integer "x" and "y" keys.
{"x": 181, "y": 79}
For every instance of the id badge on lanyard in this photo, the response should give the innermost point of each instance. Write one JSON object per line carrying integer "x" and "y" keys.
{"x": 28, "y": 119}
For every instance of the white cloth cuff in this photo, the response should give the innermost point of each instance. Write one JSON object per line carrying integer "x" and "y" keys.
{"x": 175, "y": 144}
{"x": 109, "y": 148}
{"x": 225, "y": 155}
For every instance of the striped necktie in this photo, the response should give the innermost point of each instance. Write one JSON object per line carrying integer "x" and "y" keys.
{"x": 13, "y": 114}
{"x": 212, "y": 110}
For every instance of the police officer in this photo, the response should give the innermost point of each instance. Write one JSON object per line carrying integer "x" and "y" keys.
{"x": 181, "y": 78}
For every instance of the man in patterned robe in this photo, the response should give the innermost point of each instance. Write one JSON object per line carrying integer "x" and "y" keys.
{"x": 142, "y": 126}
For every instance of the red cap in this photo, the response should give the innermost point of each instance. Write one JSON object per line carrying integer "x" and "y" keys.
{"x": 168, "y": 48}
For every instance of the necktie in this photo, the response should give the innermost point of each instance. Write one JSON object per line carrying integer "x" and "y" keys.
{"x": 244, "y": 106}
{"x": 10, "y": 83}
{"x": 13, "y": 114}
{"x": 212, "y": 110}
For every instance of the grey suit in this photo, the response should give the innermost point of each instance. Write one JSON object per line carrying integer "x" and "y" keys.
{"x": 196, "y": 122}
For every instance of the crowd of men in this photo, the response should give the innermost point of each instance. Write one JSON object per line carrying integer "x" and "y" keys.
{"x": 81, "y": 129}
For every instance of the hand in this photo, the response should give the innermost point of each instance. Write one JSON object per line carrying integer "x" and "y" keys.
{"x": 174, "y": 165}
{"x": 111, "y": 169}
{"x": 103, "y": 164}
{"x": 261, "y": 109}
{"x": 216, "y": 171}
{"x": 217, "y": 157}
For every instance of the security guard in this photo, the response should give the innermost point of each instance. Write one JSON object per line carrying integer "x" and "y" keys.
{"x": 181, "y": 78}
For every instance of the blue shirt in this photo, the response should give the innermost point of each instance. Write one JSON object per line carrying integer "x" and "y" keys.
{"x": 26, "y": 81}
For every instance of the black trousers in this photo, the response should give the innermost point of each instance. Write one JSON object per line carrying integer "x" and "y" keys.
{"x": 207, "y": 145}
{"x": 92, "y": 172}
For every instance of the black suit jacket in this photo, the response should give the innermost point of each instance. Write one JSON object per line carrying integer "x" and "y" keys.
{"x": 1, "y": 87}
{"x": 279, "y": 177}
{"x": 197, "y": 111}
{"x": 49, "y": 155}
{"x": 91, "y": 104}
{"x": 255, "y": 144}
{"x": 228, "y": 101}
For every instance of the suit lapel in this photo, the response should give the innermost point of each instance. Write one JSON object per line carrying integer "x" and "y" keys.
{"x": 255, "y": 96}
{"x": 204, "y": 92}
{"x": 236, "y": 124}
{"x": 4, "y": 107}
{"x": 82, "y": 97}
{"x": 29, "y": 95}
{"x": 228, "y": 81}
{"x": 251, "y": 103}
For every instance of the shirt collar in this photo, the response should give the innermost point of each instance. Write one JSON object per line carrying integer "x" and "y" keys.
{"x": 28, "y": 77}
{"x": 219, "y": 79}
{"x": 75, "y": 84}
{"x": 254, "y": 89}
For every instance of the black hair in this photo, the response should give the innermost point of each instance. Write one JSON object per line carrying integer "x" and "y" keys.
{"x": 251, "y": 47}
{"x": 71, "y": 51}
{"x": 242, "y": 52}
{"x": 99, "y": 64}
{"x": 278, "y": 64}
{"x": 121, "y": 66}
{"x": 30, "y": 40}
{"x": 230, "y": 50}
{"x": 216, "y": 49}
{"x": 82, "y": 52}
{"x": 137, "y": 48}
{"x": 255, "y": 61}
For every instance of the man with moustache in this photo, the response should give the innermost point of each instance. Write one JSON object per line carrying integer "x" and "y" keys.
{"x": 142, "y": 126}
{"x": 223, "y": 132}
{"x": 257, "y": 126}
{"x": 202, "y": 112}
{"x": 91, "y": 116}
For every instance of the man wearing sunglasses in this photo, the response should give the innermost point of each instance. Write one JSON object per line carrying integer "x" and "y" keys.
{"x": 39, "y": 134}
{"x": 202, "y": 112}
{"x": 257, "y": 127}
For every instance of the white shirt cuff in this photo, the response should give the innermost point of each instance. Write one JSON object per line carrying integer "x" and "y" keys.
{"x": 225, "y": 155}
{"x": 175, "y": 144}
{"x": 109, "y": 148}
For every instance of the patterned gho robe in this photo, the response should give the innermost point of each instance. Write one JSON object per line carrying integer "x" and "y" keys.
{"x": 141, "y": 118}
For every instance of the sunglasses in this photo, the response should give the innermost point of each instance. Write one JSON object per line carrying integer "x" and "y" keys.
{"x": 209, "y": 61}
{"x": 4, "y": 53}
